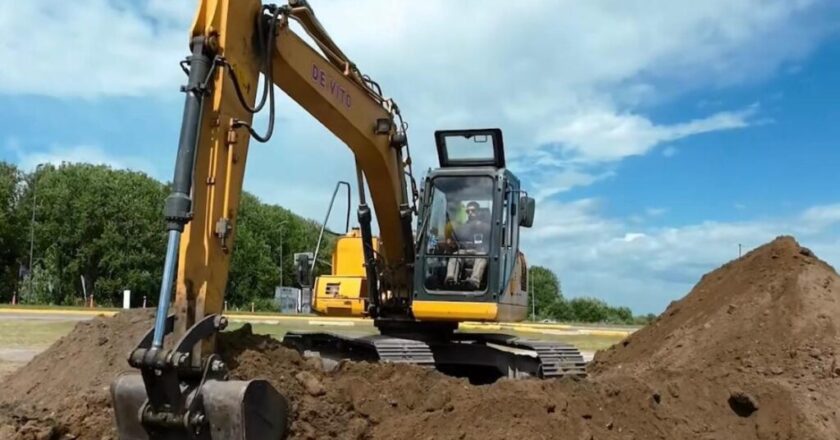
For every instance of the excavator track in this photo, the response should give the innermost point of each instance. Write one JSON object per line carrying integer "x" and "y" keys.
{"x": 375, "y": 348}
{"x": 556, "y": 359}
{"x": 482, "y": 358}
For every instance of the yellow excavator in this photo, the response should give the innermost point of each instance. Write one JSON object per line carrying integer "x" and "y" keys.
{"x": 445, "y": 254}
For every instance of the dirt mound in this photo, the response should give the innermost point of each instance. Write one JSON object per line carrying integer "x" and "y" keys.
{"x": 748, "y": 354}
{"x": 66, "y": 386}
{"x": 775, "y": 308}
{"x": 760, "y": 331}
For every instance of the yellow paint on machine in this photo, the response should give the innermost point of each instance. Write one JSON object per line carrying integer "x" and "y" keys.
{"x": 339, "y": 296}
{"x": 342, "y": 293}
{"x": 465, "y": 311}
{"x": 455, "y": 310}
{"x": 348, "y": 258}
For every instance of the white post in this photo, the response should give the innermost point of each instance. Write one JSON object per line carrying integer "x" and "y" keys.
{"x": 533, "y": 297}
{"x": 84, "y": 288}
{"x": 126, "y": 299}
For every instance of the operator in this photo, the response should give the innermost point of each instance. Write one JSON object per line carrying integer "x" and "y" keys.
{"x": 472, "y": 238}
{"x": 456, "y": 216}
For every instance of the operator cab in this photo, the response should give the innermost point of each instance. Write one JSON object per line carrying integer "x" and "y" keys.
{"x": 471, "y": 210}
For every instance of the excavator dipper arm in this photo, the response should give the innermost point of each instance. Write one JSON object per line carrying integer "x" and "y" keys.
{"x": 182, "y": 391}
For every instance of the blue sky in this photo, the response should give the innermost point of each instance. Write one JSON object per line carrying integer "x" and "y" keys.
{"x": 656, "y": 135}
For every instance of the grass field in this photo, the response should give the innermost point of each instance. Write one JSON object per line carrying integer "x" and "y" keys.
{"x": 32, "y": 334}
{"x": 21, "y": 338}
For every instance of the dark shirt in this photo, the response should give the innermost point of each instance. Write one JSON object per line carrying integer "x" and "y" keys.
{"x": 474, "y": 234}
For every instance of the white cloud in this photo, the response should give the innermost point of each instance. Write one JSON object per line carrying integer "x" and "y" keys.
{"x": 94, "y": 48}
{"x": 28, "y": 159}
{"x": 646, "y": 268}
{"x": 562, "y": 180}
{"x": 819, "y": 217}
{"x": 550, "y": 67}
{"x": 606, "y": 136}
{"x": 549, "y": 72}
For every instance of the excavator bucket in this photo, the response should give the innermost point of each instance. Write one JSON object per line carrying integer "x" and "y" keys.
{"x": 171, "y": 399}
{"x": 230, "y": 410}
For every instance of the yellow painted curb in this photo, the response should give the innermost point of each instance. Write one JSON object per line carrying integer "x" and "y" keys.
{"x": 93, "y": 312}
{"x": 327, "y": 322}
{"x": 279, "y": 317}
{"x": 524, "y": 329}
{"x": 544, "y": 325}
{"x": 606, "y": 332}
{"x": 480, "y": 325}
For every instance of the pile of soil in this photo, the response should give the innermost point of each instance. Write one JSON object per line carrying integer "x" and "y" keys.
{"x": 749, "y": 353}
{"x": 758, "y": 335}
{"x": 65, "y": 388}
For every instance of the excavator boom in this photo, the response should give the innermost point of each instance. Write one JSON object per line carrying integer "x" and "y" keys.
{"x": 182, "y": 391}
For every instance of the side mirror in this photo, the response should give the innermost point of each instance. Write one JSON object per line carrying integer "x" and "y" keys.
{"x": 527, "y": 207}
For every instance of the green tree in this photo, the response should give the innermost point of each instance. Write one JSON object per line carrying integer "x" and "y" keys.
{"x": 547, "y": 293}
{"x": 560, "y": 310}
{"x": 620, "y": 315}
{"x": 550, "y": 303}
{"x": 267, "y": 237}
{"x": 106, "y": 227}
{"x": 12, "y": 238}
{"x": 254, "y": 273}
{"x": 588, "y": 310}
{"x": 94, "y": 223}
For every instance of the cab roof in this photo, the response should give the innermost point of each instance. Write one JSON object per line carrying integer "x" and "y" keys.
{"x": 470, "y": 148}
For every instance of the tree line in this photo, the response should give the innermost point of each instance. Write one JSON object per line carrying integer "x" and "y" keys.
{"x": 73, "y": 230}
{"x": 548, "y": 303}
{"x": 78, "y": 229}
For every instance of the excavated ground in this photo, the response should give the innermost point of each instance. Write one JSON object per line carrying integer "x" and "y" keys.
{"x": 750, "y": 353}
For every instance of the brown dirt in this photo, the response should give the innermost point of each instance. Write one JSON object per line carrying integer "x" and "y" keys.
{"x": 749, "y": 353}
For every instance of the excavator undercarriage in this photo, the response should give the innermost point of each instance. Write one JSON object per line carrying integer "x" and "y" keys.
{"x": 481, "y": 357}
